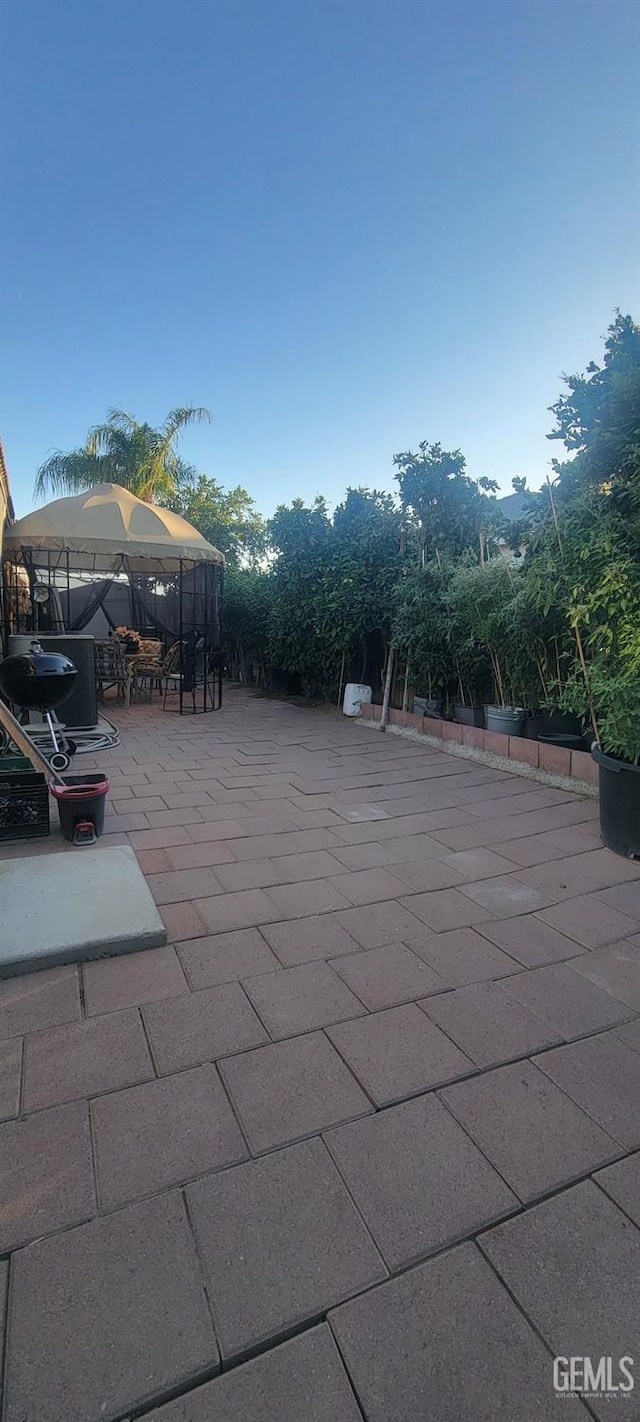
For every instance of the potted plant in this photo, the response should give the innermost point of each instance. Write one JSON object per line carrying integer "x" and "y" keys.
{"x": 611, "y": 700}
{"x": 420, "y": 631}
{"x": 470, "y": 667}
{"x": 469, "y": 658}
{"x": 585, "y": 563}
{"x": 617, "y": 755}
{"x": 495, "y": 603}
{"x": 130, "y": 639}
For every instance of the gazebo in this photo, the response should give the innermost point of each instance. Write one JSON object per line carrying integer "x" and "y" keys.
{"x": 83, "y": 553}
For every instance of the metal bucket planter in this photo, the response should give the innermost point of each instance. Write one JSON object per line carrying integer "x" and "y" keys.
{"x": 619, "y": 786}
{"x": 507, "y": 720}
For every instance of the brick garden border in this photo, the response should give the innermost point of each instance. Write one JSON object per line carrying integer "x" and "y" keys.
{"x": 555, "y": 760}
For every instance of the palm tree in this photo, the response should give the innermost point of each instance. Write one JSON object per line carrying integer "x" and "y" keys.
{"x": 122, "y": 451}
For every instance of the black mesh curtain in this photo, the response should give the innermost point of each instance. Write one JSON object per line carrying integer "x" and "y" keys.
{"x": 185, "y": 607}
{"x": 82, "y": 603}
{"x": 182, "y": 603}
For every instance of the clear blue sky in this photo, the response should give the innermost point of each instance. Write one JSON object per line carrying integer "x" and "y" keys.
{"x": 343, "y": 225}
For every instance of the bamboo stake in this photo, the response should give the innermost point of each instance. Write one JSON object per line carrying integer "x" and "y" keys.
{"x": 384, "y": 714}
{"x": 555, "y": 516}
{"x": 405, "y": 691}
{"x": 576, "y": 629}
{"x": 585, "y": 673}
{"x": 341, "y": 681}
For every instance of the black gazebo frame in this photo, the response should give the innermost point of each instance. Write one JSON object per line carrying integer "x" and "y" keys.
{"x": 182, "y": 606}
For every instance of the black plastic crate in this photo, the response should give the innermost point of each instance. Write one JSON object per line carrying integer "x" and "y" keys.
{"x": 24, "y": 804}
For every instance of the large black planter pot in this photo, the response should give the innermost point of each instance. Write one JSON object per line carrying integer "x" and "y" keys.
{"x": 566, "y": 742}
{"x": 562, "y": 723}
{"x": 468, "y": 715}
{"x": 619, "y": 785}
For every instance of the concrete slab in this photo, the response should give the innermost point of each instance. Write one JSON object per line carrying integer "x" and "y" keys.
{"x": 446, "y": 1342}
{"x": 398, "y": 1053}
{"x": 489, "y": 1025}
{"x": 163, "y": 1133}
{"x": 84, "y": 1059}
{"x": 301, "y": 999}
{"x": 622, "y": 1182}
{"x": 602, "y": 1075}
{"x": 305, "y": 939}
{"x": 30, "y": 1004}
{"x": 292, "y": 1089}
{"x": 214, "y": 1022}
{"x": 616, "y": 968}
{"x": 530, "y": 1131}
{"x": 562, "y": 996}
{"x": 573, "y": 1265}
{"x": 531, "y": 943}
{"x": 418, "y": 1180}
{"x": 10, "y": 1074}
{"x": 460, "y": 956}
{"x": 4, "y": 1286}
{"x": 629, "y": 1032}
{"x": 107, "y": 1318}
{"x": 63, "y": 908}
{"x": 280, "y": 1242}
{"x": 304, "y": 1378}
{"x": 46, "y": 1182}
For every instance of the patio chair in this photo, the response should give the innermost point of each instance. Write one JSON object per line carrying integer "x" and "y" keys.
{"x": 151, "y": 671}
{"x": 191, "y": 669}
{"x": 111, "y": 669}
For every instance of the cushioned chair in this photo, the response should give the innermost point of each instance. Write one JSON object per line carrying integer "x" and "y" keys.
{"x": 111, "y": 669}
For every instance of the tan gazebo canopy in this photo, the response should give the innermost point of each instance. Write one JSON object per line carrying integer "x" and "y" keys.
{"x": 107, "y": 529}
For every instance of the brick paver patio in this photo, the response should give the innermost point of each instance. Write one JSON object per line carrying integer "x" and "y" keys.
{"x": 360, "y": 1140}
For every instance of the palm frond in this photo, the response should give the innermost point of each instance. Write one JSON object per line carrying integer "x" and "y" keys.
{"x": 181, "y": 416}
{"x": 120, "y": 420}
{"x": 123, "y": 451}
{"x": 68, "y": 473}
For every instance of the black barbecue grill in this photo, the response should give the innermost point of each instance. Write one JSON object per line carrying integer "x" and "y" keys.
{"x": 41, "y": 681}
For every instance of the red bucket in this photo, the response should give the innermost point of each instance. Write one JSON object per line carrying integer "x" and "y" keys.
{"x": 81, "y": 800}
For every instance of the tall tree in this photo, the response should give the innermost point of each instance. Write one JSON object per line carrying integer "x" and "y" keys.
{"x": 123, "y": 451}
{"x": 228, "y": 518}
{"x": 446, "y": 505}
{"x": 598, "y": 420}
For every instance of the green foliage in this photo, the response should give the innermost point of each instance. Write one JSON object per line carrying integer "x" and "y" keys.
{"x": 490, "y": 605}
{"x": 228, "y": 518}
{"x": 122, "y": 451}
{"x": 470, "y": 656}
{"x": 247, "y": 603}
{"x": 600, "y": 585}
{"x": 333, "y": 581}
{"x": 599, "y": 420}
{"x": 421, "y": 627}
{"x": 448, "y": 509}
{"x": 584, "y": 560}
